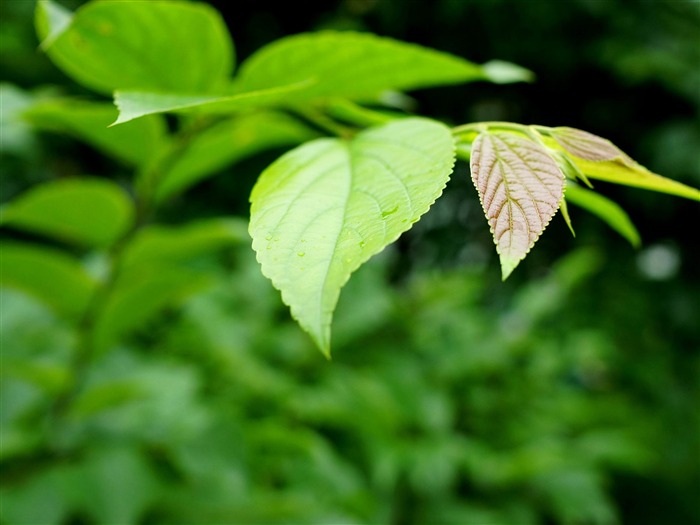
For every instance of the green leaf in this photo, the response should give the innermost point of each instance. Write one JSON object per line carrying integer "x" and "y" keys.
{"x": 607, "y": 210}
{"x": 169, "y": 244}
{"x": 567, "y": 218}
{"x": 352, "y": 65}
{"x": 169, "y": 46}
{"x": 226, "y": 143}
{"x": 629, "y": 173}
{"x": 133, "y": 143}
{"x": 520, "y": 188}
{"x": 89, "y": 212}
{"x": 568, "y": 168}
{"x": 323, "y": 209}
{"x": 136, "y": 104}
{"x": 139, "y": 294}
{"x": 49, "y": 275}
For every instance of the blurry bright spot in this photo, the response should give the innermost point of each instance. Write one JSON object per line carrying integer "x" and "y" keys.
{"x": 659, "y": 262}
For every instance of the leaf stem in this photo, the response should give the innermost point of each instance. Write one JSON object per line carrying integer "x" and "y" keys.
{"x": 480, "y": 127}
{"x": 347, "y": 111}
{"x": 322, "y": 122}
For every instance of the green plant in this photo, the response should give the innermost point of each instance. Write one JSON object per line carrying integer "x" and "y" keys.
{"x": 317, "y": 213}
{"x": 151, "y": 374}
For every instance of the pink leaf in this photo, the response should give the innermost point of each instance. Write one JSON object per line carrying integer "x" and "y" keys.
{"x": 520, "y": 188}
{"x": 586, "y": 145}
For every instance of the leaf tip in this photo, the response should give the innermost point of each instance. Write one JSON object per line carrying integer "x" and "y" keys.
{"x": 507, "y": 267}
{"x": 502, "y": 72}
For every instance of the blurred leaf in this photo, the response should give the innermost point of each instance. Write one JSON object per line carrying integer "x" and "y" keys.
{"x": 520, "y": 188}
{"x": 57, "y": 19}
{"x": 107, "y": 395}
{"x": 323, "y": 209}
{"x": 50, "y": 275}
{"x": 501, "y": 72}
{"x": 136, "y": 104}
{"x": 114, "y": 484}
{"x": 165, "y": 244}
{"x": 137, "y": 296}
{"x": 226, "y": 143}
{"x": 16, "y": 136}
{"x": 91, "y": 212}
{"x": 40, "y": 499}
{"x": 168, "y": 46}
{"x": 353, "y": 65}
{"x": 576, "y": 496}
{"x": 50, "y": 376}
{"x": 607, "y": 210}
{"x": 89, "y": 121}
{"x": 136, "y": 397}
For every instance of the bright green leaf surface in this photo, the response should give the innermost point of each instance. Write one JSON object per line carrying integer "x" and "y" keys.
{"x": 353, "y": 65}
{"x": 136, "y": 104}
{"x": 607, "y": 210}
{"x": 520, "y": 188}
{"x": 162, "y": 243}
{"x": 90, "y": 212}
{"x": 170, "y": 46}
{"x": 49, "y": 275}
{"x": 226, "y": 143}
{"x": 323, "y": 209}
{"x": 138, "y": 295}
{"x": 629, "y": 173}
{"x": 133, "y": 143}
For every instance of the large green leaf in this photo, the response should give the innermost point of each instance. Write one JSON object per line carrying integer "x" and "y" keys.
{"x": 168, "y": 244}
{"x": 90, "y": 212}
{"x": 355, "y": 65}
{"x": 323, "y": 209}
{"x": 49, "y": 275}
{"x": 133, "y": 143}
{"x": 166, "y": 45}
{"x": 607, "y": 210}
{"x": 136, "y": 104}
{"x": 520, "y": 187}
{"x": 225, "y": 143}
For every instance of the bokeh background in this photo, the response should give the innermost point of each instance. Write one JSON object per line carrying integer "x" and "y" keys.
{"x": 567, "y": 395}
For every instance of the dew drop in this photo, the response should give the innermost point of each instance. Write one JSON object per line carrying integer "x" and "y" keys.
{"x": 301, "y": 254}
{"x": 386, "y": 213}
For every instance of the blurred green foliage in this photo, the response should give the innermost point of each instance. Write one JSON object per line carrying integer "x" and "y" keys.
{"x": 568, "y": 395}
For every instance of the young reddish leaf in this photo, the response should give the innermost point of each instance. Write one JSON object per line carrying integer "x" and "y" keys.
{"x": 520, "y": 188}
{"x": 586, "y": 145}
